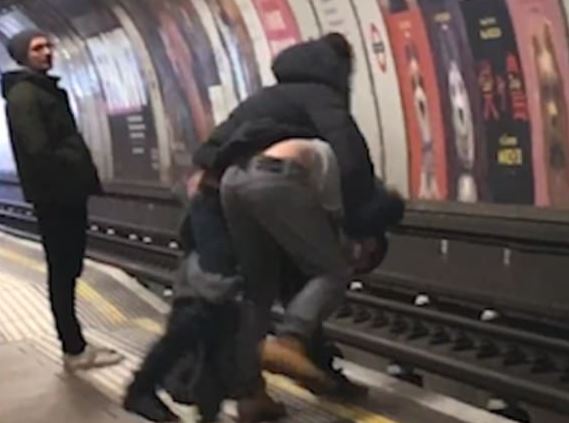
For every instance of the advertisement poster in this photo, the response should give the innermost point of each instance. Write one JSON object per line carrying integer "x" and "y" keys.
{"x": 225, "y": 95}
{"x": 541, "y": 35}
{"x": 127, "y": 106}
{"x": 238, "y": 45}
{"x": 102, "y": 42}
{"x": 460, "y": 100}
{"x": 263, "y": 56}
{"x": 180, "y": 121}
{"x": 504, "y": 100}
{"x": 278, "y": 23}
{"x": 339, "y": 16}
{"x": 381, "y": 66}
{"x": 421, "y": 99}
{"x": 164, "y": 152}
{"x": 186, "y": 65}
{"x": 306, "y": 19}
{"x": 7, "y": 163}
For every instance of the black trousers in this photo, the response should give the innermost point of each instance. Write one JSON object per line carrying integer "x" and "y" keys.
{"x": 192, "y": 324}
{"x": 63, "y": 230}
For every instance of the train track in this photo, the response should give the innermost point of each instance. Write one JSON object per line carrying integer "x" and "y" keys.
{"x": 516, "y": 364}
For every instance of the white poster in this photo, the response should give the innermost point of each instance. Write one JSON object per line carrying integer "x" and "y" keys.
{"x": 7, "y": 164}
{"x": 339, "y": 16}
{"x": 225, "y": 98}
{"x": 305, "y": 15}
{"x": 259, "y": 39}
{"x": 381, "y": 66}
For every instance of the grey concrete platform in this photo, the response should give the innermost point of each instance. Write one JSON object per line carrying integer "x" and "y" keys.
{"x": 34, "y": 389}
{"x": 116, "y": 311}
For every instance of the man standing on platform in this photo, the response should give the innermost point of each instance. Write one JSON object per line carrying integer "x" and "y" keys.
{"x": 57, "y": 175}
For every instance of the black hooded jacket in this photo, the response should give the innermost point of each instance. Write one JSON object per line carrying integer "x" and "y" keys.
{"x": 53, "y": 161}
{"x": 311, "y": 99}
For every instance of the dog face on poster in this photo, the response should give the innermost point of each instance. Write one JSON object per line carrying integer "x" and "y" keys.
{"x": 462, "y": 119}
{"x": 554, "y": 113}
{"x": 429, "y": 189}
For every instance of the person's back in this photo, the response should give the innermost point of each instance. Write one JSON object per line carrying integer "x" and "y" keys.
{"x": 313, "y": 94}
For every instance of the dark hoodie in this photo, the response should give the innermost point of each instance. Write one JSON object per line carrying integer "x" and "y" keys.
{"x": 53, "y": 161}
{"x": 311, "y": 100}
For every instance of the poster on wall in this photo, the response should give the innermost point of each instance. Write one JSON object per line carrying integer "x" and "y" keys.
{"x": 94, "y": 34}
{"x": 182, "y": 133}
{"x": 7, "y": 163}
{"x": 421, "y": 99}
{"x": 259, "y": 40}
{"x": 339, "y": 16}
{"x": 381, "y": 67}
{"x": 225, "y": 95}
{"x": 134, "y": 142}
{"x": 305, "y": 16}
{"x": 541, "y": 35}
{"x": 175, "y": 25}
{"x": 460, "y": 100}
{"x": 238, "y": 45}
{"x": 161, "y": 120}
{"x": 504, "y": 100}
{"x": 278, "y": 23}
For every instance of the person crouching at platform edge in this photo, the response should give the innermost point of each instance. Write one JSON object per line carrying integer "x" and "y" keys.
{"x": 57, "y": 176}
{"x": 208, "y": 324}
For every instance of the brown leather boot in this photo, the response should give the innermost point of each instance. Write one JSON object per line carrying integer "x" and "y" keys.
{"x": 288, "y": 356}
{"x": 259, "y": 407}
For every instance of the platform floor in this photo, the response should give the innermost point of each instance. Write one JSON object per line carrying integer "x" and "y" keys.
{"x": 117, "y": 311}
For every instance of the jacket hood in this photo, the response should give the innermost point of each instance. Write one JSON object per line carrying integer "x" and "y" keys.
{"x": 313, "y": 61}
{"x": 13, "y": 78}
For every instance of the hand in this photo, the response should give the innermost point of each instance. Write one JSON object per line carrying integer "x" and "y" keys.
{"x": 366, "y": 254}
{"x": 193, "y": 183}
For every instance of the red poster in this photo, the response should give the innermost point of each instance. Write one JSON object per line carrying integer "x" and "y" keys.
{"x": 542, "y": 41}
{"x": 278, "y": 23}
{"x": 421, "y": 99}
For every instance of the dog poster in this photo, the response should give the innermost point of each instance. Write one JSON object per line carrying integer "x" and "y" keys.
{"x": 503, "y": 94}
{"x": 339, "y": 16}
{"x": 541, "y": 35}
{"x": 465, "y": 134}
{"x": 381, "y": 68}
{"x": 421, "y": 99}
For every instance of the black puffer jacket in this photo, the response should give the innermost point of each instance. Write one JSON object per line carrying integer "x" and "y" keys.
{"x": 54, "y": 163}
{"x": 312, "y": 93}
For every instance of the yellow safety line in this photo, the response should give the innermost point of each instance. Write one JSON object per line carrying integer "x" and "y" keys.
{"x": 149, "y": 325}
{"x": 345, "y": 411}
{"x": 84, "y": 289}
{"x": 88, "y": 293}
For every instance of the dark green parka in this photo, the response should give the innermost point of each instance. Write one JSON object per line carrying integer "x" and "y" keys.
{"x": 53, "y": 161}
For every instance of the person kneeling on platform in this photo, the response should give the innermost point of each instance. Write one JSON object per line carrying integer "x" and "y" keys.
{"x": 204, "y": 327}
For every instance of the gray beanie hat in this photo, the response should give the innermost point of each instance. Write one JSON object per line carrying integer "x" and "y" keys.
{"x": 19, "y": 44}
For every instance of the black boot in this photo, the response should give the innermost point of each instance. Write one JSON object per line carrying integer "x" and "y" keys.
{"x": 323, "y": 353}
{"x": 146, "y": 403}
{"x": 177, "y": 382}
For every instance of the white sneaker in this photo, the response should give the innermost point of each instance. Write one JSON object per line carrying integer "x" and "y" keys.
{"x": 92, "y": 357}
